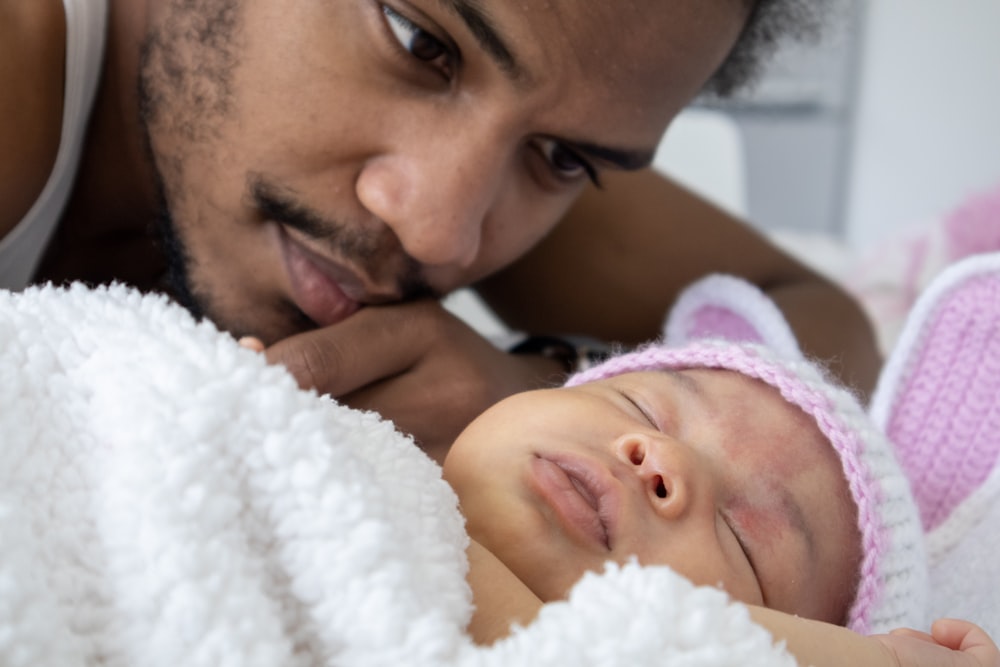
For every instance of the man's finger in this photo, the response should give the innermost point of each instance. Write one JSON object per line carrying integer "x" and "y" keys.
{"x": 373, "y": 344}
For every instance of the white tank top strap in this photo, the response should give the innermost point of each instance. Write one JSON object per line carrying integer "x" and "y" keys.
{"x": 22, "y": 248}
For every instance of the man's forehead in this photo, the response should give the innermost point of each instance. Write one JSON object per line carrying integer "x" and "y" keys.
{"x": 596, "y": 28}
{"x": 627, "y": 47}
{"x": 626, "y": 66}
{"x": 497, "y": 25}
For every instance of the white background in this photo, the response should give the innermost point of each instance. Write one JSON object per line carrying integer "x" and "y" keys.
{"x": 927, "y": 113}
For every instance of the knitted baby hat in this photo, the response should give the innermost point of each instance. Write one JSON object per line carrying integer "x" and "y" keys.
{"x": 937, "y": 399}
{"x": 891, "y": 587}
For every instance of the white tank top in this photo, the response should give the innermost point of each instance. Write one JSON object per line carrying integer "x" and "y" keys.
{"x": 22, "y": 248}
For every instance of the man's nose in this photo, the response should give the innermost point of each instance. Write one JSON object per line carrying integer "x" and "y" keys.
{"x": 436, "y": 195}
{"x": 667, "y": 479}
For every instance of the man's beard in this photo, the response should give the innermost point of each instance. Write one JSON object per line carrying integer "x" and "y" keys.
{"x": 172, "y": 97}
{"x": 177, "y": 279}
{"x": 173, "y": 103}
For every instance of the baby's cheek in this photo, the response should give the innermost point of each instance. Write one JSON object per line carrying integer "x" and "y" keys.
{"x": 760, "y": 518}
{"x": 770, "y": 456}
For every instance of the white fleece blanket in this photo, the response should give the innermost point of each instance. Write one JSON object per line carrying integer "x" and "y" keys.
{"x": 168, "y": 499}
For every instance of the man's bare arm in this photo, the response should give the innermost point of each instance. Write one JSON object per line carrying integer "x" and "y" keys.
{"x": 32, "y": 64}
{"x": 614, "y": 265}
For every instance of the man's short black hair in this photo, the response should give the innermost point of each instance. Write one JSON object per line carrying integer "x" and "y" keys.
{"x": 770, "y": 22}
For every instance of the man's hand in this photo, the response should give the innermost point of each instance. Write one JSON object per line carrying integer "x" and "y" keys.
{"x": 416, "y": 364}
{"x": 950, "y": 643}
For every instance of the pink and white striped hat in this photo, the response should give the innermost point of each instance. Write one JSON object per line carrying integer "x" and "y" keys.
{"x": 892, "y": 581}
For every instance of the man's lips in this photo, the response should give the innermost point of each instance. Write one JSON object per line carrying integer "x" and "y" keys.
{"x": 326, "y": 292}
{"x": 580, "y": 495}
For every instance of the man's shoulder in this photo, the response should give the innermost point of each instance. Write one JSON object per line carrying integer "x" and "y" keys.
{"x": 32, "y": 71}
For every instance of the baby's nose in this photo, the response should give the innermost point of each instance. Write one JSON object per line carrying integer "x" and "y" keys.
{"x": 663, "y": 476}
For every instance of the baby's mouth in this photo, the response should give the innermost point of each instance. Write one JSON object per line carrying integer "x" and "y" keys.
{"x": 577, "y": 497}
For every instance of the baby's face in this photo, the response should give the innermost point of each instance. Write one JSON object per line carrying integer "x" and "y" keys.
{"x": 707, "y": 471}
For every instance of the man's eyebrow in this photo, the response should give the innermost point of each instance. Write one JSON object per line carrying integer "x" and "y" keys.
{"x": 486, "y": 33}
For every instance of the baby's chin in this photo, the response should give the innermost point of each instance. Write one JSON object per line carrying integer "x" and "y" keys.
{"x": 554, "y": 586}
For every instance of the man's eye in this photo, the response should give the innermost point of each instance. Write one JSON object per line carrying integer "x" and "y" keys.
{"x": 421, "y": 44}
{"x": 567, "y": 164}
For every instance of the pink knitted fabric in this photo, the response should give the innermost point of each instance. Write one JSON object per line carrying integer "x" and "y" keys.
{"x": 725, "y": 307}
{"x": 722, "y": 322}
{"x": 948, "y": 414}
{"x": 889, "y": 589}
{"x": 937, "y": 398}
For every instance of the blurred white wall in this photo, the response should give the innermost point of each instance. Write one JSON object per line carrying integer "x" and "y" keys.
{"x": 794, "y": 125}
{"x": 703, "y": 150}
{"x": 926, "y": 133}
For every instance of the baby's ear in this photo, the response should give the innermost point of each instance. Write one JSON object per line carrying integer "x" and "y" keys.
{"x": 730, "y": 308}
{"x": 938, "y": 397}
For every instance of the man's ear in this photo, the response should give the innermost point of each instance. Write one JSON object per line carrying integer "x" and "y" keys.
{"x": 730, "y": 308}
{"x": 938, "y": 396}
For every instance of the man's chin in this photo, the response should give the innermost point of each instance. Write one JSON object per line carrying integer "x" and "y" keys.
{"x": 268, "y": 319}
{"x": 182, "y": 295}
{"x": 269, "y": 324}
{"x": 180, "y": 286}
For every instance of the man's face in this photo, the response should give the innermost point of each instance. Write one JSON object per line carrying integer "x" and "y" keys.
{"x": 322, "y": 155}
{"x": 706, "y": 471}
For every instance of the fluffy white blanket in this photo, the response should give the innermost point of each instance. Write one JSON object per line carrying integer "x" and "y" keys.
{"x": 168, "y": 499}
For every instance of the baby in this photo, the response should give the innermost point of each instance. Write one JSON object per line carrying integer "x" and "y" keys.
{"x": 658, "y": 456}
{"x": 736, "y": 468}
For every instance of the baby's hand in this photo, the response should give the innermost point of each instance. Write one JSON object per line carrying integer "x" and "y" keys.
{"x": 251, "y": 343}
{"x": 951, "y": 642}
